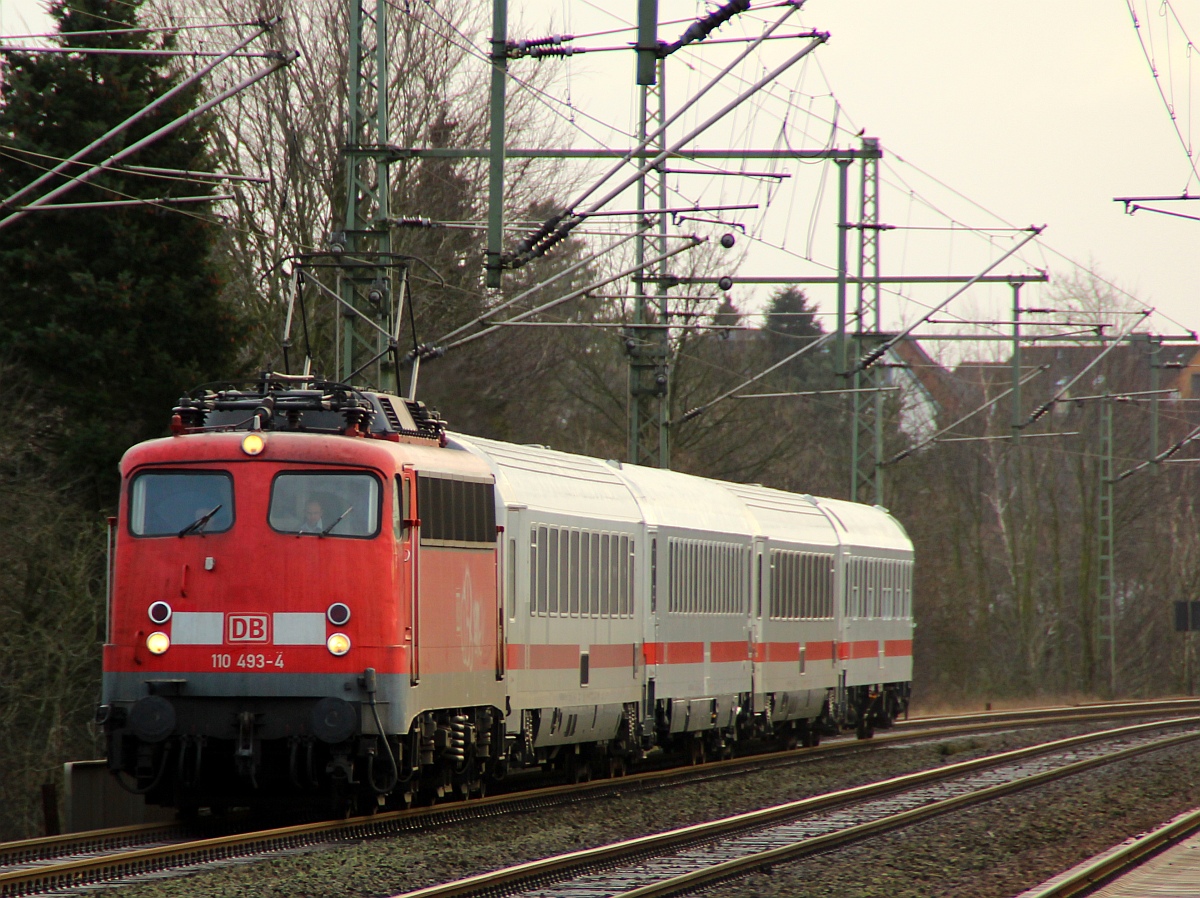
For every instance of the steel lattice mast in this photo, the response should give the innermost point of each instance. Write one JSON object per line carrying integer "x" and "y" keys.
{"x": 370, "y": 285}
{"x": 649, "y": 348}
{"x": 867, "y": 450}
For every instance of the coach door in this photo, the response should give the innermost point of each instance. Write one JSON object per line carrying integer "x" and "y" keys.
{"x": 514, "y": 529}
{"x": 759, "y": 578}
{"x": 405, "y": 527}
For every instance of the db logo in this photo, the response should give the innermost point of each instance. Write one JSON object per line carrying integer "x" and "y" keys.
{"x": 246, "y": 627}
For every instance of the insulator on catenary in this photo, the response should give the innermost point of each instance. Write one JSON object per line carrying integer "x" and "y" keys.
{"x": 536, "y": 46}
{"x": 414, "y": 221}
{"x": 547, "y": 52}
{"x": 702, "y": 28}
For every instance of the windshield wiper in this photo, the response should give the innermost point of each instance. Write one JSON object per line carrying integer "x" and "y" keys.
{"x": 325, "y": 532}
{"x": 197, "y": 526}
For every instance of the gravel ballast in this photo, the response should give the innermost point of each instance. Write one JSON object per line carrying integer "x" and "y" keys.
{"x": 999, "y": 849}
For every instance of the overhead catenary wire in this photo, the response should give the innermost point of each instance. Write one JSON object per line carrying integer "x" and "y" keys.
{"x": 1065, "y": 388}
{"x": 649, "y": 165}
{"x": 183, "y": 86}
{"x": 1170, "y": 106}
{"x": 582, "y": 291}
{"x": 6, "y": 152}
{"x": 700, "y": 409}
{"x": 570, "y": 269}
{"x": 111, "y": 32}
{"x": 900, "y": 456}
{"x": 550, "y": 101}
{"x": 191, "y": 115}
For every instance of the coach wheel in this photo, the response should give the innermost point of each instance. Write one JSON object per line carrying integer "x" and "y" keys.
{"x": 577, "y": 768}
{"x": 810, "y": 736}
{"x": 866, "y": 726}
{"x": 887, "y": 711}
{"x": 696, "y": 752}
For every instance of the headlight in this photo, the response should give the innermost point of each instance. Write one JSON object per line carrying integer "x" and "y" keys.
{"x": 253, "y": 443}
{"x": 338, "y": 643}
{"x": 160, "y": 613}
{"x": 158, "y": 642}
{"x": 338, "y": 614}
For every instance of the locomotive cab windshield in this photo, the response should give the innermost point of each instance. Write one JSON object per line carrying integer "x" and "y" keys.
{"x": 325, "y": 504}
{"x": 173, "y": 503}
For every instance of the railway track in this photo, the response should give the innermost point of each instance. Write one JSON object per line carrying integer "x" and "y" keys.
{"x": 1107, "y": 866}
{"x": 40, "y": 865}
{"x": 693, "y": 857}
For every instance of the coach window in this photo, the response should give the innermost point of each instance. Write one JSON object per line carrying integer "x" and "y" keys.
{"x": 653, "y": 573}
{"x": 539, "y": 557}
{"x": 179, "y": 503}
{"x": 320, "y": 503}
{"x": 629, "y": 567}
{"x": 573, "y": 566}
{"x": 552, "y": 569}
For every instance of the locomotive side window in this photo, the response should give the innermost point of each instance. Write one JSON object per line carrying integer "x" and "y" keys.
{"x": 401, "y": 508}
{"x": 177, "y": 503}
{"x": 456, "y": 512}
{"x": 320, "y": 503}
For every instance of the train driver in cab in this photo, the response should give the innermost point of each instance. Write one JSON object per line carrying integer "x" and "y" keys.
{"x": 314, "y": 517}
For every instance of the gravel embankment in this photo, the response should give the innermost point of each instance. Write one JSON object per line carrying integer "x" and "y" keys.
{"x": 997, "y": 850}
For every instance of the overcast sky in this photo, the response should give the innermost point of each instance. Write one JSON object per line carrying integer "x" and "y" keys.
{"x": 1023, "y": 112}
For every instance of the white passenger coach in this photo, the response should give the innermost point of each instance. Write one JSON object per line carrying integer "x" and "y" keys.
{"x": 644, "y": 606}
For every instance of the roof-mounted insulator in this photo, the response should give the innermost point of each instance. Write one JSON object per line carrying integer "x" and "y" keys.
{"x": 540, "y": 46}
{"x": 702, "y": 28}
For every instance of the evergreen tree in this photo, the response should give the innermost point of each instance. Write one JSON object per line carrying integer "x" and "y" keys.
{"x": 792, "y": 323}
{"x": 114, "y": 311}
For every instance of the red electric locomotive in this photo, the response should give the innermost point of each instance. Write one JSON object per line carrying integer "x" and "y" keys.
{"x": 264, "y": 615}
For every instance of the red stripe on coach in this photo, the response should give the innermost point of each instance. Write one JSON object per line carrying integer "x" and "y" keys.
{"x": 721, "y": 652}
{"x": 553, "y": 657}
{"x": 654, "y": 652}
{"x": 818, "y": 651}
{"x": 612, "y": 655}
{"x": 856, "y": 651}
{"x": 685, "y": 652}
{"x": 783, "y": 651}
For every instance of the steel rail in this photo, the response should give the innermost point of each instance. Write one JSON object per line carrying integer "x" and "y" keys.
{"x": 47, "y": 847}
{"x": 1104, "y": 867}
{"x": 109, "y": 867}
{"x": 690, "y": 881}
{"x": 540, "y": 872}
{"x": 1147, "y": 707}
